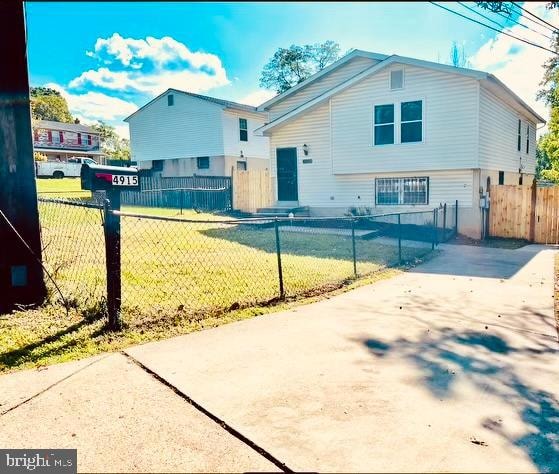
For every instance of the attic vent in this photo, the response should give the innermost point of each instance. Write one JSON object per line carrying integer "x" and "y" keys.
{"x": 396, "y": 79}
{"x": 170, "y": 100}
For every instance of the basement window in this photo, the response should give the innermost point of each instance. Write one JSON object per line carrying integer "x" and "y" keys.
{"x": 400, "y": 191}
{"x": 203, "y": 162}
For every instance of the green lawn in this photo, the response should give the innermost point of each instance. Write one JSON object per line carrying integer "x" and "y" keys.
{"x": 57, "y": 188}
{"x": 176, "y": 277}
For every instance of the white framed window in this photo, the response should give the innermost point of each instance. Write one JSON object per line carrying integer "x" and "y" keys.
{"x": 411, "y": 121}
{"x": 398, "y": 123}
{"x": 243, "y": 130}
{"x": 396, "y": 79}
{"x": 401, "y": 191}
{"x": 383, "y": 128}
{"x": 527, "y": 138}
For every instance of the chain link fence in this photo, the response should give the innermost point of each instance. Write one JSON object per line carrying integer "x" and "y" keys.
{"x": 73, "y": 242}
{"x": 173, "y": 266}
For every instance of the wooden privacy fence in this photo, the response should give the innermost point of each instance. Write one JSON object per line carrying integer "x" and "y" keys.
{"x": 524, "y": 212}
{"x": 211, "y": 193}
{"x": 252, "y": 190}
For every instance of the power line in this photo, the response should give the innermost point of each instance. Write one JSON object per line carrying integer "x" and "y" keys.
{"x": 535, "y": 16}
{"x": 509, "y": 18}
{"x": 494, "y": 29}
{"x": 481, "y": 15}
{"x": 541, "y": 25}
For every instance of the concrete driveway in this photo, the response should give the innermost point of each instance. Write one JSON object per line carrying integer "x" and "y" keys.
{"x": 450, "y": 367}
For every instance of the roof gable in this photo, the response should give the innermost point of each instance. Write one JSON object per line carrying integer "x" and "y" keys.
{"x": 335, "y": 65}
{"x": 394, "y": 59}
{"x": 221, "y": 102}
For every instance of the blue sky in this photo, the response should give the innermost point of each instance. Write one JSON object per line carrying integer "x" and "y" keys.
{"x": 109, "y": 58}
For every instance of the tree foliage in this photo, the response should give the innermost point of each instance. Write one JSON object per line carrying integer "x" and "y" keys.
{"x": 290, "y": 66}
{"x": 112, "y": 145}
{"x": 48, "y": 104}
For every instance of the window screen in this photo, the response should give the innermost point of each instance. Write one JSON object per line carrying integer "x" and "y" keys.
{"x": 397, "y": 79}
{"x": 384, "y": 124}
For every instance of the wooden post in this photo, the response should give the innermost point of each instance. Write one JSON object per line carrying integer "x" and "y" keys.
{"x": 21, "y": 275}
{"x": 533, "y": 211}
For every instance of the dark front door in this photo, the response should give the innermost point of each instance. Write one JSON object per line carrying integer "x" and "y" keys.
{"x": 287, "y": 174}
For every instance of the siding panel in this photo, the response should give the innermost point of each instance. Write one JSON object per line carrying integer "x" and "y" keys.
{"x": 498, "y": 136}
{"x": 350, "y": 69}
{"x": 450, "y": 124}
{"x": 191, "y": 127}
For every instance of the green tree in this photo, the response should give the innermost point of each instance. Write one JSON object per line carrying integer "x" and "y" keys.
{"x": 115, "y": 147}
{"x": 48, "y": 104}
{"x": 290, "y": 66}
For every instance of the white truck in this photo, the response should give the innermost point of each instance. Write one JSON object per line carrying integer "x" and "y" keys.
{"x": 62, "y": 169}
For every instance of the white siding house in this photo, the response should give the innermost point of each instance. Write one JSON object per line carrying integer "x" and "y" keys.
{"x": 181, "y": 134}
{"x": 389, "y": 123}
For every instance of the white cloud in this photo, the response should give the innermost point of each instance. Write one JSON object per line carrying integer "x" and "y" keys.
{"x": 257, "y": 97}
{"x": 519, "y": 65}
{"x": 150, "y": 66}
{"x": 91, "y": 107}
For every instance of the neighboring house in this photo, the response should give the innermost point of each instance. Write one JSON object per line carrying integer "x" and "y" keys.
{"x": 60, "y": 141}
{"x": 397, "y": 134}
{"x": 183, "y": 134}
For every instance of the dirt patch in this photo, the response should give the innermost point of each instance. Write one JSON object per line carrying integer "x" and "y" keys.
{"x": 493, "y": 242}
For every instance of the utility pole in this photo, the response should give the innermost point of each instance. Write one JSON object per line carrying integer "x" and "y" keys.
{"x": 21, "y": 275}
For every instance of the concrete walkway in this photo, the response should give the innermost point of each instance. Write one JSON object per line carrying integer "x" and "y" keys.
{"x": 450, "y": 367}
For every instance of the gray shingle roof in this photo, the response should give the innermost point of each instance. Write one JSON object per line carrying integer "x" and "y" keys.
{"x": 71, "y": 127}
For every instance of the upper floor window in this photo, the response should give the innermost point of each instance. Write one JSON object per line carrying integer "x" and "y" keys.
{"x": 61, "y": 136}
{"x": 243, "y": 130}
{"x": 411, "y": 118}
{"x": 527, "y": 138}
{"x": 203, "y": 162}
{"x": 519, "y": 138}
{"x": 384, "y": 124}
{"x": 49, "y": 136}
{"x": 89, "y": 140}
{"x": 170, "y": 100}
{"x": 396, "y": 79}
{"x": 79, "y": 138}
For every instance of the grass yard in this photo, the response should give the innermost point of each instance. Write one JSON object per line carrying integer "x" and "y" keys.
{"x": 58, "y": 188}
{"x": 176, "y": 277}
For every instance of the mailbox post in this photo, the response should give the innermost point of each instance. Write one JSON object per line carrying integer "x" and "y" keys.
{"x": 113, "y": 180}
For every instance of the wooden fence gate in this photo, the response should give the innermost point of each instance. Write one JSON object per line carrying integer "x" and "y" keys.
{"x": 252, "y": 190}
{"x": 524, "y": 212}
